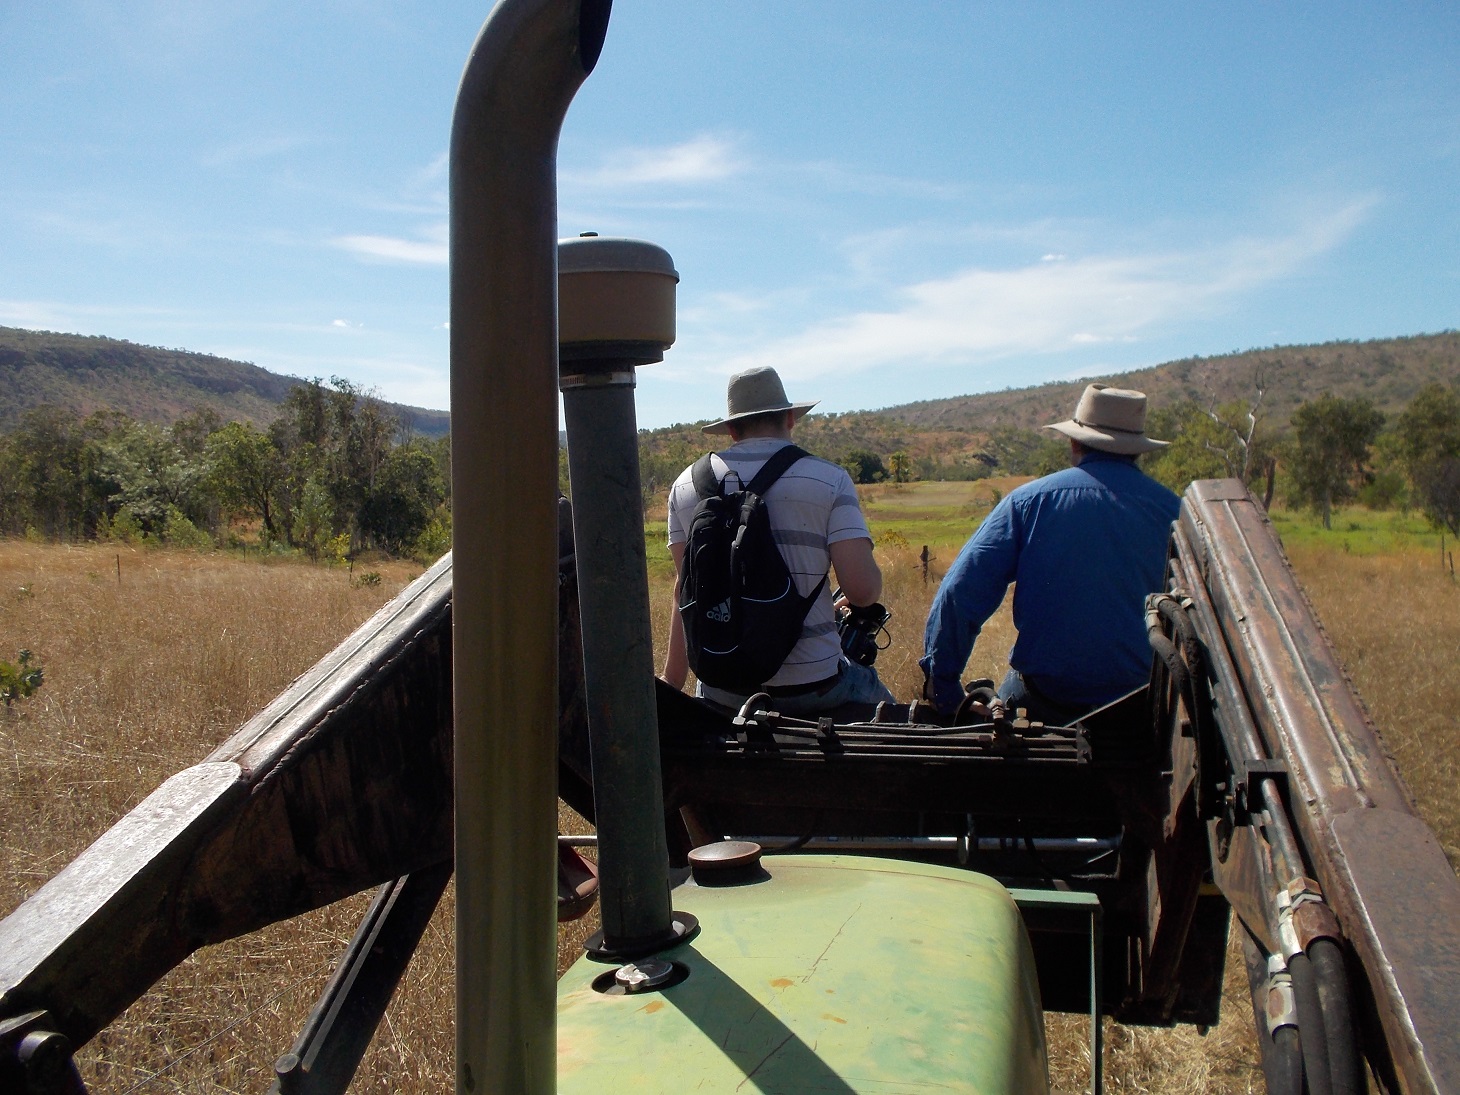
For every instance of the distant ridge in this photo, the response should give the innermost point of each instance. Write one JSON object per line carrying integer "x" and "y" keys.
{"x": 1385, "y": 371}
{"x": 83, "y": 374}
{"x": 941, "y": 432}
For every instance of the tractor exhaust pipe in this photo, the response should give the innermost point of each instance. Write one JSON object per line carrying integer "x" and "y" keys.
{"x": 528, "y": 61}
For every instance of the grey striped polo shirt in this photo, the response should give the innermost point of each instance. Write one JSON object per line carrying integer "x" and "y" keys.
{"x": 811, "y": 506}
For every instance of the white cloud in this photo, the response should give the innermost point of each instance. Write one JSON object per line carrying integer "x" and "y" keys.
{"x": 699, "y": 160}
{"x": 432, "y": 251}
{"x": 979, "y": 315}
{"x": 66, "y": 316}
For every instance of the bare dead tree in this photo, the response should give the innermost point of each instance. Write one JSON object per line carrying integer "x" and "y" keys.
{"x": 1240, "y": 440}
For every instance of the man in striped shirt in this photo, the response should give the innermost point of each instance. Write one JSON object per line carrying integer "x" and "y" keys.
{"x": 817, "y": 524}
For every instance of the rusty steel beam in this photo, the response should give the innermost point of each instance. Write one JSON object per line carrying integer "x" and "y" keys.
{"x": 341, "y": 783}
{"x": 1379, "y": 864}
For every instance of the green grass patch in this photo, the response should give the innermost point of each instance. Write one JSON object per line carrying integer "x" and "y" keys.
{"x": 941, "y": 515}
{"x": 656, "y": 550}
{"x": 1356, "y": 530}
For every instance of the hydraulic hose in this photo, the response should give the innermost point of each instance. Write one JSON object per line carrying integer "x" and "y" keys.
{"x": 1166, "y": 650}
{"x": 1286, "y": 1075}
{"x": 1346, "y": 1064}
{"x": 1310, "y": 1024}
{"x": 1277, "y": 1032}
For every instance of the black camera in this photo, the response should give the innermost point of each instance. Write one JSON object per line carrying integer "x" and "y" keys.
{"x": 860, "y": 630}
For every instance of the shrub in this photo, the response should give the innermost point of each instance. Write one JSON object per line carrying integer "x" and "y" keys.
{"x": 123, "y": 528}
{"x": 180, "y": 532}
{"x": 20, "y": 680}
{"x": 435, "y": 539}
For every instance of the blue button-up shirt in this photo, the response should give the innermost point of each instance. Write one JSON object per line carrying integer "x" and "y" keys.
{"x": 1083, "y": 546}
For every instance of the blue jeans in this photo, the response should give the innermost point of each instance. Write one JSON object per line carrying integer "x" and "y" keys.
{"x": 855, "y": 684}
{"x": 1018, "y": 692}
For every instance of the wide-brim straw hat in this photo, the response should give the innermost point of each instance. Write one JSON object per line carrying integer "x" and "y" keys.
{"x": 1111, "y": 420}
{"x": 756, "y": 391}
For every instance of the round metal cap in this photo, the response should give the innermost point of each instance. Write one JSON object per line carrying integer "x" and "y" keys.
{"x": 644, "y": 976}
{"x": 615, "y": 303}
{"x": 726, "y": 863}
{"x": 613, "y": 255}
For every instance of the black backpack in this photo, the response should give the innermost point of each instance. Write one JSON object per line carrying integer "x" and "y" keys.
{"x": 741, "y": 612}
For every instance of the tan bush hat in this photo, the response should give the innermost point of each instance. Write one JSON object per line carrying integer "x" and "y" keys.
{"x": 756, "y": 391}
{"x": 1111, "y": 420}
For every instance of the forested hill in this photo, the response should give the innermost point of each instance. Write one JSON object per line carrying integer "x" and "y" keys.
{"x": 999, "y": 425}
{"x": 82, "y": 374}
{"x": 1387, "y": 372}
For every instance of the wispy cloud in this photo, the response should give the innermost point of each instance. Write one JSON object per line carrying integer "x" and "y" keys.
{"x": 1052, "y": 305}
{"x": 702, "y": 159}
{"x": 430, "y": 251}
{"x": 51, "y": 315}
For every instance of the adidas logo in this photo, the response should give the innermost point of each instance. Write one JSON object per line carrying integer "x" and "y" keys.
{"x": 720, "y": 614}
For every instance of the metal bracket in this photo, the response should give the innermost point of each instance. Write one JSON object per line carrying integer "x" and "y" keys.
{"x": 1249, "y": 771}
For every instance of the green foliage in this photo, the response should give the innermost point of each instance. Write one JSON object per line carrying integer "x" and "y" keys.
{"x": 1014, "y": 451}
{"x": 899, "y": 466}
{"x": 152, "y": 477}
{"x": 1355, "y": 529}
{"x": 399, "y": 504}
{"x": 313, "y": 526}
{"x": 864, "y": 466}
{"x": 179, "y": 531}
{"x": 49, "y": 477}
{"x": 1329, "y": 454}
{"x": 19, "y": 680}
{"x": 1427, "y": 440}
{"x": 435, "y": 539}
{"x": 328, "y": 467}
{"x": 893, "y": 538}
{"x": 660, "y": 465}
{"x": 247, "y": 473}
{"x": 121, "y": 528}
{"x": 1227, "y": 442}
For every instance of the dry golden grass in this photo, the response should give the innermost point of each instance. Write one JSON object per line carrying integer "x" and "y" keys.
{"x": 1395, "y": 620}
{"x": 126, "y": 703}
{"x": 145, "y": 675}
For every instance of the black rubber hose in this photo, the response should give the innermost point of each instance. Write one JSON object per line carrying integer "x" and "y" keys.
{"x": 1286, "y": 1064}
{"x": 1282, "y": 1051}
{"x": 1310, "y": 1024}
{"x": 1170, "y": 609}
{"x": 1346, "y": 1063}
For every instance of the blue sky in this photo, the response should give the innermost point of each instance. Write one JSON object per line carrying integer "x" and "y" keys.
{"x": 888, "y": 201}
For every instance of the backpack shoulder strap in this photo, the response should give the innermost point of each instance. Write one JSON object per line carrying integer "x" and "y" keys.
{"x": 774, "y": 468}
{"x": 703, "y": 477}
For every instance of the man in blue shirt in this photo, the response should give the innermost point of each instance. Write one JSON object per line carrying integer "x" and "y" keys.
{"x": 1083, "y": 547}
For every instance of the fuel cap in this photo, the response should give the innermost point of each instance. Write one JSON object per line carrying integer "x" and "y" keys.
{"x": 727, "y": 863}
